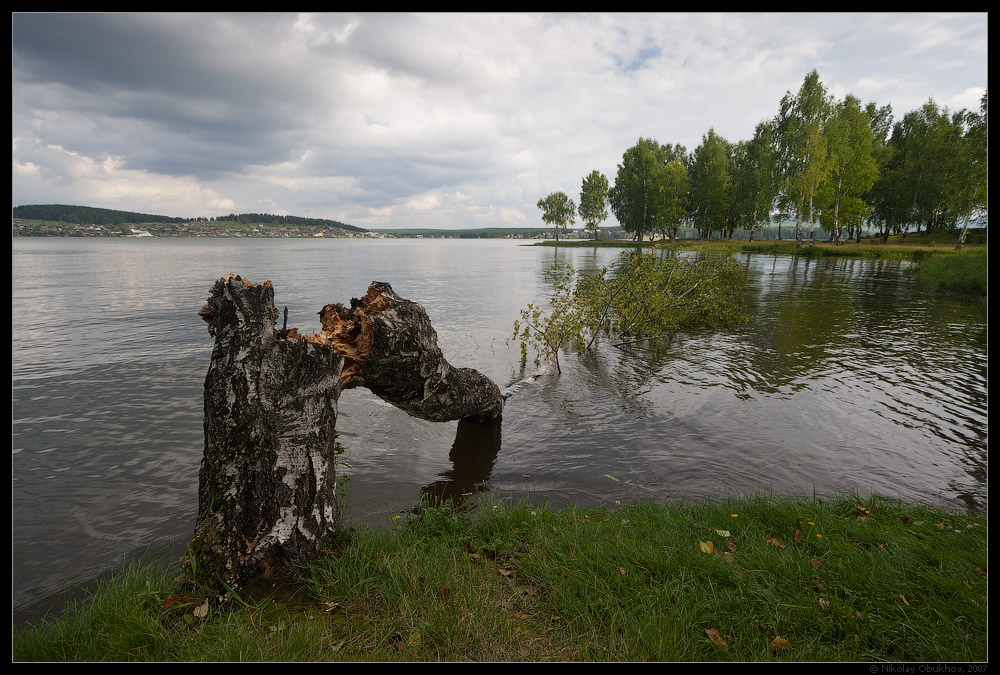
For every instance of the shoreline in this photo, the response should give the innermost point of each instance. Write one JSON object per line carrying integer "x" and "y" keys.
{"x": 727, "y": 580}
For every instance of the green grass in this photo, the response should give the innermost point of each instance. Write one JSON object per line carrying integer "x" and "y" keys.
{"x": 848, "y": 579}
{"x": 964, "y": 273}
{"x": 917, "y": 245}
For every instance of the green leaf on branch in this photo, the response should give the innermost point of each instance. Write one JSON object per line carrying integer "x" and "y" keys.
{"x": 642, "y": 298}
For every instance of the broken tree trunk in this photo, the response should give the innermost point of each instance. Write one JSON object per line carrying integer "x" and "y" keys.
{"x": 267, "y": 498}
{"x": 390, "y": 347}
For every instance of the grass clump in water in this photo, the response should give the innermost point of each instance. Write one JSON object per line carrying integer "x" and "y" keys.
{"x": 753, "y": 579}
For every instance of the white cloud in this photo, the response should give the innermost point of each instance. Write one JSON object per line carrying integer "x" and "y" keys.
{"x": 384, "y": 120}
{"x": 105, "y": 183}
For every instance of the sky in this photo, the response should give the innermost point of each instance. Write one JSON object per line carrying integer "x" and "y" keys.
{"x": 426, "y": 120}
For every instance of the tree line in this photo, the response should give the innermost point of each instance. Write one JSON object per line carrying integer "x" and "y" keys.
{"x": 838, "y": 164}
{"x": 89, "y": 215}
{"x": 270, "y": 219}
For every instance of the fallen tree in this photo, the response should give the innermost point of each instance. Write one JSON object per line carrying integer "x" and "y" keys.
{"x": 267, "y": 496}
{"x": 642, "y": 298}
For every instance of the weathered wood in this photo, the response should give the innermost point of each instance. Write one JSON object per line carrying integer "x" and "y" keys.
{"x": 267, "y": 498}
{"x": 391, "y": 348}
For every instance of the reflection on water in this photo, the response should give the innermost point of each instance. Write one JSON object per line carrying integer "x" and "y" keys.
{"x": 472, "y": 457}
{"x": 848, "y": 377}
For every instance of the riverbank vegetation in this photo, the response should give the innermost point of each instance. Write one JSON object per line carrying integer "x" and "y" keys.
{"x": 748, "y": 579}
{"x": 641, "y": 298}
{"x": 838, "y": 165}
{"x": 941, "y": 266}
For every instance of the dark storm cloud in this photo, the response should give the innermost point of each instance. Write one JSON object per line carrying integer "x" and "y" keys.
{"x": 173, "y": 92}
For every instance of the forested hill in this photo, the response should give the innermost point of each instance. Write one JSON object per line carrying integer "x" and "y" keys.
{"x": 88, "y": 215}
{"x": 268, "y": 219}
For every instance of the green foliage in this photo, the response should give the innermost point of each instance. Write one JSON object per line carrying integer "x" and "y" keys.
{"x": 711, "y": 193}
{"x": 594, "y": 200}
{"x": 558, "y": 210}
{"x": 853, "y": 167}
{"x": 549, "y": 332}
{"x": 643, "y": 297}
{"x": 802, "y": 147}
{"x": 650, "y": 188}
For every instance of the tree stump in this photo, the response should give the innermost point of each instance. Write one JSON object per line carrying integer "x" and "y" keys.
{"x": 267, "y": 496}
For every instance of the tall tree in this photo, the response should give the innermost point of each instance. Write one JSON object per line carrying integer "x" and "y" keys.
{"x": 852, "y": 166}
{"x": 594, "y": 200}
{"x": 558, "y": 210}
{"x": 802, "y": 145}
{"x": 969, "y": 190}
{"x": 881, "y": 126}
{"x": 634, "y": 195}
{"x": 754, "y": 179}
{"x": 672, "y": 191}
{"x": 710, "y": 184}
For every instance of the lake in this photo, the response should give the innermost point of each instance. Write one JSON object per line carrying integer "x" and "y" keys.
{"x": 849, "y": 377}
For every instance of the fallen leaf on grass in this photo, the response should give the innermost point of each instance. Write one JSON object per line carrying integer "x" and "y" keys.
{"x": 707, "y": 546}
{"x": 824, "y": 603}
{"x": 201, "y": 611}
{"x": 773, "y": 541}
{"x": 778, "y": 643}
{"x": 621, "y": 570}
{"x": 798, "y": 537}
{"x": 906, "y": 517}
{"x": 817, "y": 584}
{"x": 716, "y": 639}
{"x": 172, "y": 600}
{"x": 903, "y": 598}
{"x": 414, "y": 640}
{"x": 815, "y": 561}
{"x": 981, "y": 571}
{"x": 723, "y": 533}
{"x": 731, "y": 545}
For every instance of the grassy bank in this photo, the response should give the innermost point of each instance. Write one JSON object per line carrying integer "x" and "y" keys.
{"x": 941, "y": 266}
{"x": 964, "y": 273}
{"x": 753, "y": 579}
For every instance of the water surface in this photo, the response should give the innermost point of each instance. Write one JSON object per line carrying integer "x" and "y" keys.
{"x": 848, "y": 378}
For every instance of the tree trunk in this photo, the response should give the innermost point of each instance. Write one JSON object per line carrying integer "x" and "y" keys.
{"x": 267, "y": 499}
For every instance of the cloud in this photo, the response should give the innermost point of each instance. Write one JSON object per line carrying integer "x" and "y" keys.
{"x": 382, "y": 120}
{"x": 105, "y": 181}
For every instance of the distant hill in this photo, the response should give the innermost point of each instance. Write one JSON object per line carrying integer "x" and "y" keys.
{"x": 89, "y": 215}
